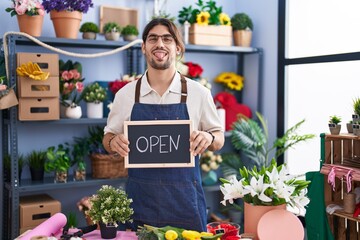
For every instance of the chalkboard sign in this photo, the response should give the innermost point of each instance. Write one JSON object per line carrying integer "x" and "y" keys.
{"x": 159, "y": 144}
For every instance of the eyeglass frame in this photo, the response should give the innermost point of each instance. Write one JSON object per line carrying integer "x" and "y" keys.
{"x": 162, "y": 38}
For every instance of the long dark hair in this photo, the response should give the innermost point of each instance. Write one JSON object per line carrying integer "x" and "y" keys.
{"x": 172, "y": 29}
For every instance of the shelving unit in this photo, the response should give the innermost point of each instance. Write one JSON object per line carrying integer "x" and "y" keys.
{"x": 9, "y": 212}
{"x": 335, "y": 149}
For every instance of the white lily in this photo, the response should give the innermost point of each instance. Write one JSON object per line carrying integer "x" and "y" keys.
{"x": 233, "y": 190}
{"x": 257, "y": 187}
{"x": 301, "y": 201}
{"x": 283, "y": 190}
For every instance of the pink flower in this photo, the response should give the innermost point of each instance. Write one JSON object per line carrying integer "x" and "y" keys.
{"x": 79, "y": 86}
{"x": 75, "y": 73}
{"x": 20, "y": 9}
{"x": 64, "y": 75}
{"x": 2, "y": 87}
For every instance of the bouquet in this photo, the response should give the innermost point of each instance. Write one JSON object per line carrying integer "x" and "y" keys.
{"x": 28, "y": 7}
{"x": 193, "y": 71}
{"x": 73, "y": 5}
{"x": 210, "y": 161}
{"x": 230, "y": 80}
{"x": 207, "y": 13}
{"x": 71, "y": 82}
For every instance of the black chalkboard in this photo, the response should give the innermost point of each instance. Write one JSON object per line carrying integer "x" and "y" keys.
{"x": 159, "y": 144}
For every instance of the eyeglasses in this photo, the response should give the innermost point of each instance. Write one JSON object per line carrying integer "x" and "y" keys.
{"x": 166, "y": 39}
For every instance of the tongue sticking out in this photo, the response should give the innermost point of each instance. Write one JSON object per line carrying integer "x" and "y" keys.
{"x": 159, "y": 55}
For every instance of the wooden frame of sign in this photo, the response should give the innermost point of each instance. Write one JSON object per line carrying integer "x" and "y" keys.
{"x": 159, "y": 144}
{"x": 120, "y": 15}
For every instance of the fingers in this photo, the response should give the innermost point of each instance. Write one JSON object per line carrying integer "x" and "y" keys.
{"x": 120, "y": 144}
{"x": 199, "y": 142}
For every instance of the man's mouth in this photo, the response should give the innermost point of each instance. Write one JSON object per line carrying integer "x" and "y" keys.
{"x": 160, "y": 55}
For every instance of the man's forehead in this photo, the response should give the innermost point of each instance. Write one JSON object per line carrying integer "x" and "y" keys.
{"x": 159, "y": 29}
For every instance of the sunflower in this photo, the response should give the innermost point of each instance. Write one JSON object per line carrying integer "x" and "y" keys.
{"x": 230, "y": 80}
{"x": 225, "y": 19}
{"x": 203, "y": 18}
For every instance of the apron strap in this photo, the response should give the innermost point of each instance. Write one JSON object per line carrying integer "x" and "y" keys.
{"x": 183, "y": 90}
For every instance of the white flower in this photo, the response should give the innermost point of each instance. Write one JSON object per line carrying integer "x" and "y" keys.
{"x": 257, "y": 187}
{"x": 205, "y": 167}
{"x": 233, "y": 190}
{"x": 214, "y": 165}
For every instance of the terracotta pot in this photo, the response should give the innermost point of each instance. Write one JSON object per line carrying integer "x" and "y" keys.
{"x": 66, "y": 24}
{"x": 31, "y": 25}
{"x": 242, "y": 38}
{"x": 252, "y": 215}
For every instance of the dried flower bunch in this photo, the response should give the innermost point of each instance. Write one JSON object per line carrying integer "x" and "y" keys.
{"x": 28, "y": 7}
{"x": 210, "y": 161}
{"x": 68, "y": 5}
{"x": 71, "y": 82}
{"x": 207, "y": 13}
{"x": 230, "y": 80}
{"x": 110, "y": 205}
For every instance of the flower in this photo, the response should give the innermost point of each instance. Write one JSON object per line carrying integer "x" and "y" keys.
{"x": 28, "y": 7}
{"x": 110, "y": 205}
{"x": 66, "y": 5}
{"x": 210, "y": 161}
{"x": 207, "y": 14}
{"x": 266, "y": 183}
{"x": 71, "y": 82}
{"x": 116, "y": 85}
{"x": 193, "y": 71}
{"x": 94, "y": 93}
{"x": 269, "y": 186}
{"x": 230, "y": 80}
{"x": 4, "y": 89}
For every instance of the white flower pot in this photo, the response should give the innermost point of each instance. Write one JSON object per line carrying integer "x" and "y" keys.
{"x": 73, "y": 112}
{"x": 94, "y": 110}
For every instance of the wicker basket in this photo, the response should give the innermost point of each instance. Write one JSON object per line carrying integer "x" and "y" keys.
{"x": 107, "y": 166}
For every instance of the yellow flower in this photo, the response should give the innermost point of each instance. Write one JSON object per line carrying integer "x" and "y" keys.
{"x": 225, "y": 19}
{"x": 230, "y": 80}
{"x": 203, "y": 18}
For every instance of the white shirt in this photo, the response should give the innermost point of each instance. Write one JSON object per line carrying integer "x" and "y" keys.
{"x": 200, "y": 104}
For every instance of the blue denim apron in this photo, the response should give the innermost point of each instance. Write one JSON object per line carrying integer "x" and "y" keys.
{"x": 166, "y": 196}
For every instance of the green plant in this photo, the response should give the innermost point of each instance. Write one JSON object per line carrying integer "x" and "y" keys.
{"x": 356, "y": 105}
{"x": 110, "y": 205}
{"x": 163, "y": 14}
{"x": 252, "y": 139}
{"x": 231, "y": 164}
{"x": 7, "y": 162}
{"x": 89, "y": 27}
{"x": 334, "y": 120}
{"x": 241, "y": 21}
{"x": 111, "y": 27}
{"x": 94, "y": 93}
{"x": 207, "y": 13}
{"x": 130, "y": 30}
{"x": 71, "y": 220}
{"x": 58, "y": 160}
{"x": 36, "y": 159}
{"x": 80, "y": 149}
{"x": 96, "y": 134}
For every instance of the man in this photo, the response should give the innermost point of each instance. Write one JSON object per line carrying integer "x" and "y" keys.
{"x": 165, "y": 196}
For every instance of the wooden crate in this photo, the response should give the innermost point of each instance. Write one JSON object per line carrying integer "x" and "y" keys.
{"x": 337, "y": 149}
{"x": 210, "y": 35}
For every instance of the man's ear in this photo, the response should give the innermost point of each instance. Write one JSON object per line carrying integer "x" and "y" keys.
{"x": 143, "y": 48}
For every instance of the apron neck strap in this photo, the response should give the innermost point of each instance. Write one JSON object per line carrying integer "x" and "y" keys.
{"x": 183, "y": 89}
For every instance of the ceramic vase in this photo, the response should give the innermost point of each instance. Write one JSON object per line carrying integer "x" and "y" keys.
{"x": 252, "y": 215}
{"x": 31, "y": 25}
{"x": 73, "y": 112}
{"x": 242, "y": 38}
{"x": 66, "y": 24}
{"x": 95, "y": 110}
{"x": 107, "y": 231}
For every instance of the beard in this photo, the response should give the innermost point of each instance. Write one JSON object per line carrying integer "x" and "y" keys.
{"x": 160, "y": 66}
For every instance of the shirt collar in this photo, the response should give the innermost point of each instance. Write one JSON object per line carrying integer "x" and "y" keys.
{"x": 175, "y": 86}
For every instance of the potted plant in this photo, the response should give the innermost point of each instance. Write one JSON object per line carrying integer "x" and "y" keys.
{"x": 89, "y": 30}
{"x": 7, "y": 166}
{"x": 356, "y": 108}
{"x": 209, "y": 162}
{"x": 30, "y": 16}
{"x": 205, "y": 21}
{"x": 58, "y": 161}
{"x": 129, "y": 32}
{"x": 80, "y": 149}
{"x": 252, "y": 139}
{"x": 94, "y": 95}
{"x": 349, "y": 126}
{"x": 112, "y": 31}
{"x": 242, "y": 29}
{"x": 109, "y": 207}
{"x": 334, "y": 125}
{"x": 67, "y": 15}
{"x": 36, "y": 161}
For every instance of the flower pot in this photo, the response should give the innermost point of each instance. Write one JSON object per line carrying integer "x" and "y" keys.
{"x": 334, "y": 129}
{"x": 242, "y": 38}
{"x": 130, "y": 37}
{"x": 79, "y": 175}
{"x": 349, "y": 127}
{"x": 94, "y": 110}
{"x": 31, "y": 25}
{"x": 37, "y": 174}
{"x": 89, "y": 35}
{"x": 112, "y": 36}
{"x": 252, "y": 215}
{"x": 66, "y": 24}
{"x": 107, "y": 231}
{"x": 73, "y": 112}
{"x": 60, "y": 177}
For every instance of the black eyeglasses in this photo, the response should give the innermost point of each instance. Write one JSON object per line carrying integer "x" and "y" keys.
{"x": 166, "y": 39}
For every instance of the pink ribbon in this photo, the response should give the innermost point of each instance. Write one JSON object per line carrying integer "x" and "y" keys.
{"x": 331, "y": 178}
{"x": 348, "y": 178}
